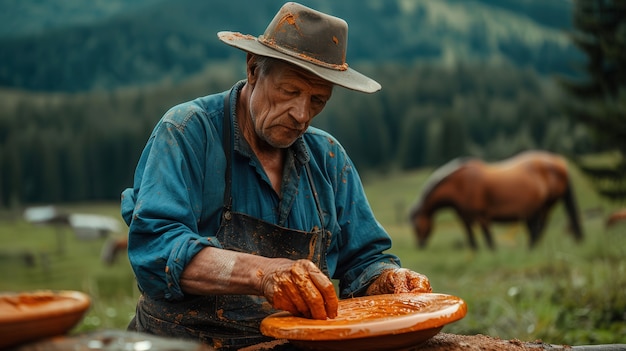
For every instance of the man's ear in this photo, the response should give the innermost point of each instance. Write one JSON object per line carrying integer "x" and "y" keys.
{"x": 252, "y": 71}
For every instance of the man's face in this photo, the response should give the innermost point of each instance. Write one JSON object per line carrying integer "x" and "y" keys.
{"x": 284, "y": 102}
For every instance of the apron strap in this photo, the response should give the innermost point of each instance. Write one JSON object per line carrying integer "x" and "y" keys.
{"x": 317, "y": 200}
{"x": 227, "y": 145}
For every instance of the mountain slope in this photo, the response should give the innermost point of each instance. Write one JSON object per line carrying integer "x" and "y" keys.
{"x": 146, "y": 41}
{"x": 19, "y": 17}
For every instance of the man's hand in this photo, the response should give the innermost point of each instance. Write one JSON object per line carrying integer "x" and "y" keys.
{"x": 401, "y": 280}
{"x": 301, "y": 288}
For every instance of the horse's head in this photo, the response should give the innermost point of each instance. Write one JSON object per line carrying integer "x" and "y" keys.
{"x": 434, "y": 195}
{"x": 422, "y": 225}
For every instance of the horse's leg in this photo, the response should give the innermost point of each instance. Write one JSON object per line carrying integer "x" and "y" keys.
{"x": 535, "y": 224}
{"x": 470, "y": 235}
{"x": 571, "y": 207}
{"x": 487, "y": 234}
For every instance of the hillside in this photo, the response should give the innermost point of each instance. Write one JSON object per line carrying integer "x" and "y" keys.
{"x": 18, "y": 17}
{"x": 72, "y": 45}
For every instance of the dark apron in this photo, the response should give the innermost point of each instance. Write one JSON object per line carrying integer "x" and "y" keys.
{"x": 230, "y": 322}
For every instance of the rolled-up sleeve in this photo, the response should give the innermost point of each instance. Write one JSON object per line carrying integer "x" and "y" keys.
{"x": 165, "y": 210}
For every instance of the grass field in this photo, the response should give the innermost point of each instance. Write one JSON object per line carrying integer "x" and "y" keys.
{"x": 561, "y": 292}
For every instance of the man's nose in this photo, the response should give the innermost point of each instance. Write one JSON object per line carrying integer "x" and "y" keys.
{"x": 300, "y": 110}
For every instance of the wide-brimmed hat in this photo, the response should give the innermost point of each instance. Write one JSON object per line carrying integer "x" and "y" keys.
{"x": 307, "y": 38}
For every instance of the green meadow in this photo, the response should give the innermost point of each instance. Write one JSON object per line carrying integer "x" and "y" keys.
{"x": 561, "y": 292}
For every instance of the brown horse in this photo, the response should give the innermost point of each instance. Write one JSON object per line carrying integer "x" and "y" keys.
{"x": 522, "y": 188}
{"x": 616, "y": 217}
{"x": 112, "y": 248}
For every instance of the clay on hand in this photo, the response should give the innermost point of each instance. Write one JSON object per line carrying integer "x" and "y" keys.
{"x": 301, "y": 288}
{"x": 401, "y": 280}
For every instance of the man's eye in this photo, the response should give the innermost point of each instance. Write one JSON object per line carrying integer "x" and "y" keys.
{"x": 318, "y": 101}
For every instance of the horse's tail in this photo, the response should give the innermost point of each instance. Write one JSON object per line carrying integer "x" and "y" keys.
{"x": 569, "y": 199}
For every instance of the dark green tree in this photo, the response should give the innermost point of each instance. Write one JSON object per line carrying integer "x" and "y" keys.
{"x": 598, "y": 100}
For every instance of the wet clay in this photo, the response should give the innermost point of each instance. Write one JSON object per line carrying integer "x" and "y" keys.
{"x": 302, "y": 288}
{"x": 39, "y": 304}
{"x": 32, "y": 315}
{"x": 396, "y": 281}
{"x": 238, "y": 36}
{"x": 372, "y": 316}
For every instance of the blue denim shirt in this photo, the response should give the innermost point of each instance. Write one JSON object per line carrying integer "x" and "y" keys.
{"x": 174, "y": 209}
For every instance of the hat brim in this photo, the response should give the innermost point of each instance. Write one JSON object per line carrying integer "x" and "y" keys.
{"x": 349, "y": 78}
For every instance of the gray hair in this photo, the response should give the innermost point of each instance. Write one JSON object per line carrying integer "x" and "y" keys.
{"x": 265, "y": 63}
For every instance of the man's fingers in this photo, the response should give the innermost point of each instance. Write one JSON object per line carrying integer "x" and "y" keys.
{"x": 310, "y": 293}
{"x": 326, "y": 288}
{"x": 302, "y": 289}
{"x": 399, "y": 280}
{"x": 282, "y": 301}
{"x": 290, "y": 290}
{"x": 420, "y": 284}
{"x": 416, "y": 282}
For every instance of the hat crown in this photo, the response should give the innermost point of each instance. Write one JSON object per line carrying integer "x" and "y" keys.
{"x": 310, "y": 35}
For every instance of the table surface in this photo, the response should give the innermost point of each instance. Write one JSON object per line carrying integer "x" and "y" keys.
{"x": 123, "y": 340}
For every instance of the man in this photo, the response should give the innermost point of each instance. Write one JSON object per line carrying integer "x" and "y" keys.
{"x": 240, "y": 209}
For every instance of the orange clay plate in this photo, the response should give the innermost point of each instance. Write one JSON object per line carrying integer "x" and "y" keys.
{"x": 27, "y": 316}
{"x": 380, "y": 322}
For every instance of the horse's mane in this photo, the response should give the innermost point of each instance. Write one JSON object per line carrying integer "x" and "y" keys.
{"x": 438, "y": 176}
